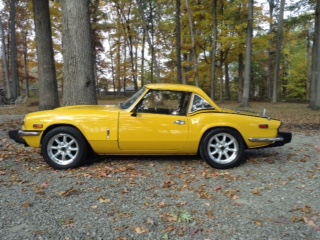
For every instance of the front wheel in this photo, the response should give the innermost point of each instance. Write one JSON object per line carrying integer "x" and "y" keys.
{"x": 222, "y": 148}
{"x": 64, "y": 147}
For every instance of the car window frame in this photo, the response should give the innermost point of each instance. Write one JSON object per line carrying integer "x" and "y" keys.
{"x": 133, "y": 99}
{"x": 201, "y": 109}
{"x": 187, "y": 96}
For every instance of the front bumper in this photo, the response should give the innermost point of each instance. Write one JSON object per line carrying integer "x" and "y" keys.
{"x": 282, "y": 139}
{"x": 17, "y": 135}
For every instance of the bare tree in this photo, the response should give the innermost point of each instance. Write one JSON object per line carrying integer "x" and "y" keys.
{"x": 48, "y": 89}
{"x": 315, "y": 79}
{"x": 278, "y": 53}
{"x": 247, "y": 70}
{"x": 194, "y": 47}
{"x": 5, "y": 61}
{"x": 270, "y": 49}
{"x": 178, "y": 41}
{"x": 214, "y": 47}
{"x": 13, "y": 50}
{"x": 79, "y": 82}
{"x": 150, "y": 42}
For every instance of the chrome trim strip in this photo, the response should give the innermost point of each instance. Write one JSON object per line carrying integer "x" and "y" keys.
{"x": 266, "y": 139}
{"x": 27, "y": 133}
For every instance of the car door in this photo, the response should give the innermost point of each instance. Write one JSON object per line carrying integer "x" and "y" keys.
{"x": 159, "y": 124}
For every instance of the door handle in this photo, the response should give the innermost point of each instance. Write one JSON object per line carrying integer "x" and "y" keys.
{"x": 180, "y": 122}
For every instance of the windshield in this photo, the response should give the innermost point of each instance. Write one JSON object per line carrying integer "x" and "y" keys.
{"x": 127, "y": 104}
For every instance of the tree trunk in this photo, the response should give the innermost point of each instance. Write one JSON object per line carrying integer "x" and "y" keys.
{"x": 194, "y": 47}
{"x": 178, "y": 41}
{"x": 240, "y": 77}
{"x": 94, "y": 36}
{"x": 315, "y": 84}
{"x": 226, "y": 70}
{"x": 214, "y": 49}
{"x": 270, "y": 51}
{"x": 48, "y": 90}
{"x": 221, "y": 76}
{"x": 247, "y": 70}
{"x": 278, "y": 53}
{"x": 142, "y": 57}
{"x": 5, "y": 61}
{"x": 309, "y": 61}
{"x": 25, "y": 62}
{"x": 112, "y": 62}
{"x": 13, "y": 51}
{"x": 79, "y": 83}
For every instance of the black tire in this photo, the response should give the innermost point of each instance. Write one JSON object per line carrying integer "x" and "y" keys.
{"x": 64, "y": 147}
{"x": 222, "y": 148}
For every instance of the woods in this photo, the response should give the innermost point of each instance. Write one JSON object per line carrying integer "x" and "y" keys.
{"x": 234, "y": 50}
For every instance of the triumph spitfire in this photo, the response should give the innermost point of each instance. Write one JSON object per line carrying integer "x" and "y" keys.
{"x": 159, "y": 119}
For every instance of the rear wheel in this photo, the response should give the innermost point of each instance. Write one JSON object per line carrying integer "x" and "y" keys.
{"x": 222, "y": 148}
{"x": 64, "y": 147}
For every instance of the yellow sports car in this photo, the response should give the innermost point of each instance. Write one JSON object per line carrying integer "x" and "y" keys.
{"x": 160, "y": 119}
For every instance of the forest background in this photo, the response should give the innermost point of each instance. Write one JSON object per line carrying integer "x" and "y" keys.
{"x": 232, "y": 49}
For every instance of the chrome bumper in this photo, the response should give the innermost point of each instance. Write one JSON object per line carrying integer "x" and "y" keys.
{"x": 28, "y": 133}
{"x": 266, "y": 139}
{"x": 282, "y": 139}
{"x": 17, "y": 135}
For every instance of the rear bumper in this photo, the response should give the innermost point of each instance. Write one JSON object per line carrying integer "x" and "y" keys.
{"x": 282, "y": 139}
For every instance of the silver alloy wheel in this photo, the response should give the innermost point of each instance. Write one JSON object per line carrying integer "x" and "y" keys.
{"x": 63, "y": 149}
{"x": 223, "y": 148}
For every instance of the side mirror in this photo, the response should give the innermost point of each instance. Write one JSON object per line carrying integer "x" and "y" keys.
{"x": 134, "y": 112}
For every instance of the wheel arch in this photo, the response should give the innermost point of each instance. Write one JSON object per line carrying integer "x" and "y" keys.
{"x": 221, "y": 127}
{"x": 62, "y": 125}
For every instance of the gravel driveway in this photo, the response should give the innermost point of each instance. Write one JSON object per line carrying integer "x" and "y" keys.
{"x": 275, "y": 194}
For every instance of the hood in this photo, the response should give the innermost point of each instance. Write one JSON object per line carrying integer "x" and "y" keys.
{"x": 74, "y": 110}
{"x": 89, "y": 107}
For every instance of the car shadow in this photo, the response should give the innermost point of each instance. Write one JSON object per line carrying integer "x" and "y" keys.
{"x": 100, "y": 159}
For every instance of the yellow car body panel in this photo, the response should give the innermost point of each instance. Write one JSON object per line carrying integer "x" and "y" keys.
{"x": 200, "y": 123}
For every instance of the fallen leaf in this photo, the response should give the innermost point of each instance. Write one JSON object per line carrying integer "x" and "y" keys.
{"x": 104, "y": 200}
{"x": 257, "y": 191}
{"x": 169, "y": 229}
{"x": 44, "y": 185}
{"x": 270, "y": 161}
{"x": 69, "y": 192}
{"x": 69, "y": 221}
{"x": 180, "y": 204}
{"x": 311, "y": 223}
{"x": 306, "y": 209}
{"x": 258, "y": 223}
{"x": 27, "y": 204}
{"x": 296, "y": 219}
{"x": 209, "y": 214}
{"x": 168, "y": 184}
{"x": 235, "y": 197}
{"x": 140, "y": 230}
{"x": 150, "y": 222}
{"x": 162, "y": 204}
{"x": 39, "y": 191}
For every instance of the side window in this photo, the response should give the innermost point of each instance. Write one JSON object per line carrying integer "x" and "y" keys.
{"x": 200, "y": 104}
{"x": 164, "y": 102}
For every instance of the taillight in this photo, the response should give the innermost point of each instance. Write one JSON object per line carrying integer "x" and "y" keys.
{"x": 263, "y": 126}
